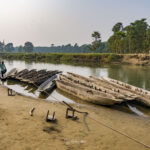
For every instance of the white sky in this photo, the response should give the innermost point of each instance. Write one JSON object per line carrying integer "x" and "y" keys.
{"x": 44, "y": 22}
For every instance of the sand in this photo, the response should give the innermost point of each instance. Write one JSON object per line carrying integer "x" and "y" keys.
{"x": 20, "y": 131}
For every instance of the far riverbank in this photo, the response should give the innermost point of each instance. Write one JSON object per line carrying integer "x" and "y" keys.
{"x": 87, "y": 59}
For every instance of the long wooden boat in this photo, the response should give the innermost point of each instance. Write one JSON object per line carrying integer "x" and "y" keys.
{"x": 143, "y": 95}
{"x": 42, "y": 79}
{"x": 12, "y": 72}
{"x": 87, "y": 94}
{"x": 20, "y": 74}
{"x": 48, "y": 85}
{"x": 9, "y": 74}
{"x": 27, "y": 74}
{"x": 101, "y": 87}
{"x": 86, "y": 84}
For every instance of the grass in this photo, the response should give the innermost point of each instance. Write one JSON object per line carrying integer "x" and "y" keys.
{"x": 67, "y": 58}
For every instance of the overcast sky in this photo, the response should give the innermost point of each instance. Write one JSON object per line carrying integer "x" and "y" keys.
{"x": 44, "y": 22}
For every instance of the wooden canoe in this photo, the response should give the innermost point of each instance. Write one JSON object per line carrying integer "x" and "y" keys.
{"x": 12, "y": 72}
{"x": 48, "y": 85}
{"x": 143, "y": 95}
{"x": 99, "y": 86}
{"x": 87, "y": 94}
{"x": 20, "y": 74}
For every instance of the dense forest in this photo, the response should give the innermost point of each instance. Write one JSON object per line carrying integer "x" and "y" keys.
{"x": 134, "y": 38}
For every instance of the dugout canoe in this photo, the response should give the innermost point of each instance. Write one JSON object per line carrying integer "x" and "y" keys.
{"x": 87, "y": 94}
{"x": 84, "y": 83}
{"x": 48, "y": 85}
{"x": 99, "y": 86}
{"x": 143, "y": 95}
{"x": 42, "y": 79}
{"x": 12, "y": 72}
{"x": 20, "y": 74}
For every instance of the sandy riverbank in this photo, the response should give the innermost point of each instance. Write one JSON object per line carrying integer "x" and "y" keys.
{"x": 20, "y": 131}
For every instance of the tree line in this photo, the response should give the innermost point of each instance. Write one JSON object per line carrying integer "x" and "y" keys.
{"x": 133, "y": 38}
{"x": 28, "y": 47}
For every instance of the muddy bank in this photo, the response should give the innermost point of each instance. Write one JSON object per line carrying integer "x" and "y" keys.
{"x": 21, "y": 131}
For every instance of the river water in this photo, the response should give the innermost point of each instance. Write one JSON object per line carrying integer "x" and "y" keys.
{"x": 135, "y": 75}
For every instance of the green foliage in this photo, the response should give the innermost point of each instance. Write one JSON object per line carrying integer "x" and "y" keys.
{"x": 117, "y": 27}
{"x": 97, "y": 41}
{"x": 28, "y": 47}
{"x": 20, "y": 49}
{"x": 147, "y": 41}
{"x": 2, "y": 46}
{"x": 133, "y": 38}
{"x": 74, "y": 58}
{"x": 9, "y": 47}
{"x": 111, "y": 57}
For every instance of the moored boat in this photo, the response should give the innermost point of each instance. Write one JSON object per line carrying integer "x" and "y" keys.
{"x": 12, "y": 72}
{"x": 87, "y": 94}
{"x": 143, "y": 95}
{"x": 100, "y": 86}
{"x": 48, "y": 85}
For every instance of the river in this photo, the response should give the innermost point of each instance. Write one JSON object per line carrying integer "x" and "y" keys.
{"x": 135, "y": 75}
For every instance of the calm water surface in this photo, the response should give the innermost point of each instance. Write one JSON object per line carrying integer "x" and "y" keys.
{"x": 135, "y": 75}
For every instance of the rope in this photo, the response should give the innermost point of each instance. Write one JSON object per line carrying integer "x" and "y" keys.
{"x": 117, "y": 131}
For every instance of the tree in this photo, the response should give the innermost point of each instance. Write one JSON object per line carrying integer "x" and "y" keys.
{"x": 117, "y": 42}
{"x": 52, "y": 45}
{"x": 130, "y": 39}
{"x": 28, "y": 47}
{"x": 20, "y": 49}
{"x": 136, "y": 33}
{"x": 9, "y": 47}
{"x": 97, "y": 40}
{"x": 147, "y": 41}
{"x": 117, "y": 27}
{"x": 2, "y": 46}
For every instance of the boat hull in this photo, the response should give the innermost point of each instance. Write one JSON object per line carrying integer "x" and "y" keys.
{"x": 85, "y": 94}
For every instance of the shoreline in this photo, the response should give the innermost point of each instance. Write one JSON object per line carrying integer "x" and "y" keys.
{"x": 21, "y": 131}
{"x": 84, "y": 59}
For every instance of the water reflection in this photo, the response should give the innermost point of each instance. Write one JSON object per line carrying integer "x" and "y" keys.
{"x": 135, "y": 75}
{"x": 29, "y": 64}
